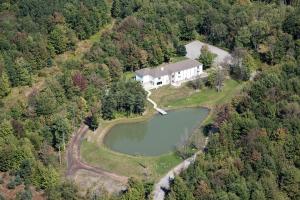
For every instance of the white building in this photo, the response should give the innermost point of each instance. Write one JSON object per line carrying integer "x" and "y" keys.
{"x": 174, "y": 73}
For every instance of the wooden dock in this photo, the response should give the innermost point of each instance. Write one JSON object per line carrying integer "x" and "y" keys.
{"x": 161, "y": 111}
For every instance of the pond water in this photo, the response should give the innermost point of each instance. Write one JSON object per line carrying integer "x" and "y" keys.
{"x": 156, "y": 136}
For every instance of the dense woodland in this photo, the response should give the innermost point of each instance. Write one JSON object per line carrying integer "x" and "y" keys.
{"x": 243, "y": 159}
{"x": 255, "y": 153}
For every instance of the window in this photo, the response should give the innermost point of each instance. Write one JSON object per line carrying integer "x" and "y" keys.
{"x": 159, "y": 83}
{"x": 178, "y": 72}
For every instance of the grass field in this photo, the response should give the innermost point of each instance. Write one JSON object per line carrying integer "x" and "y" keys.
{"x": 138, "y": 166}
{"x": 96, "y": 153}
{"x": 170, "y": 97}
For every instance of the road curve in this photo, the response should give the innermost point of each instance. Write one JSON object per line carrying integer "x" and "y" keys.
{"x": 74, "y": 162}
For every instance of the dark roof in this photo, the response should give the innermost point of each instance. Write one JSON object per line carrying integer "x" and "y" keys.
{"x": 168, "y": 69}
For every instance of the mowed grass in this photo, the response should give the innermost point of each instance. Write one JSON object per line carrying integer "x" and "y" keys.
{"x": 132, "y": 166}
{"x": 185, "y": 97}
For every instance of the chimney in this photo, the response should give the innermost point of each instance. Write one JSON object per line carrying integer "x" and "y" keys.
{"x": 162, "y": 68}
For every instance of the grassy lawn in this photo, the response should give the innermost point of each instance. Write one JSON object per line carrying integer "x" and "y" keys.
{"x": 184, "y": 96}
{"x": 125, "y": 164}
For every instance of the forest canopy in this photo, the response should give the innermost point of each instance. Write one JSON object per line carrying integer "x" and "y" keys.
{"x": 254, "y": 155}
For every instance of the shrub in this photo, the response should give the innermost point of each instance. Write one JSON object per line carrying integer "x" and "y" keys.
{"x": 11, "y": 184}
{"x": 18, "y": 180}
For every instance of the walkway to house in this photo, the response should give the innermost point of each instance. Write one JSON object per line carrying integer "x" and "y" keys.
{"x": 161, "y": 111}
{"x": 164, "y": 182}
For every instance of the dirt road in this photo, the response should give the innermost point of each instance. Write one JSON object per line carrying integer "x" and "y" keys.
{"x": 74, "y": 162}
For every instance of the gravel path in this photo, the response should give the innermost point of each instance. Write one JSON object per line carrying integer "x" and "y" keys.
{"x": 164, "y": 182}
{"x": 193, "y": 50}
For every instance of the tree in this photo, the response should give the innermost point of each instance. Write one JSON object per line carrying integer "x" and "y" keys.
{"x": 19, "y": 74}
{"x": 6, "y": 129}
{"x": 243, "y": 37}
{"x": 179, "y": 190}
{"x": 115, "y": 68}
{"x": 69, "y": 190}
{"x": 181, "y": 50}
{"x": 116, "y": 9}
{"x": 80, "y": 81}
{"x": 216, "y": 79}
{"x": 206, "y": 57}
{"x": 136, "y": 190}
{"x": 92, "y": 121}
{"x": 242, "y": 64}
{"x": 45, "y": 102}
{"x": 60, "y": 130}
{"x": 292, "y": 24}
{"x": 4, "y": 84}
{"x": 58, "y": 39}
{"x": 188, "y": 28}
{"x": 108, "y": 107}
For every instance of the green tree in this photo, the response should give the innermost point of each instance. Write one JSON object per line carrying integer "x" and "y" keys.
{"x": 5, "y": 129}
{"x": 180, "y": 190}
{"x": 116, "y": 8}
{"x": 242, "y": 64}
{"x": 45, "y": 102}
{"x": 4, "y": 84}
{"x": 60, "y": 130}
{"x": 206, "y": 57}
{"x": 180, "y": 50}
{"x": 188, "y": 28}
{"x": 58, "y": 39}
{"x": 108, "y": 107}
{"x": 292, "y": 24}
{"x": 136, "y": 190}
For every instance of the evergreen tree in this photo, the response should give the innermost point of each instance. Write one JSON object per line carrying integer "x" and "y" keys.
{"x": 181, "y": 50}
{"x": 116, "y": 9}
{"x": 108, "y": 107}
{"x": 4, "y": 84}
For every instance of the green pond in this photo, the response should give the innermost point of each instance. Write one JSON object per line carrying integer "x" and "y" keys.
{"x": 156, "y": 136}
